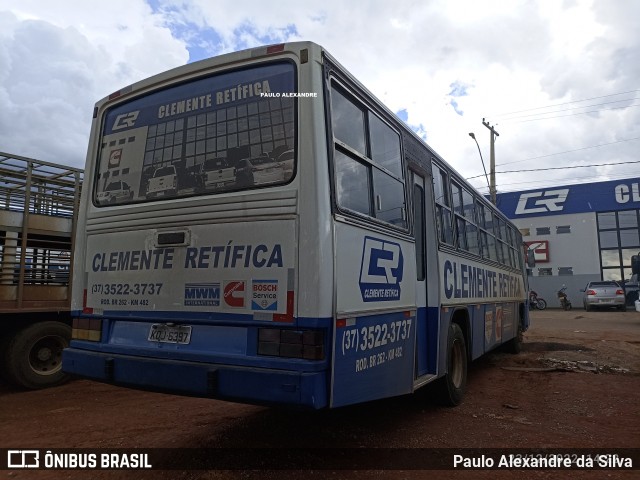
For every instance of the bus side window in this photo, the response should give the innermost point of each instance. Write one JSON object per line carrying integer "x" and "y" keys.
{"x": 419, "y": 231}
{"x": 368, "y": 161}
{"x": 443, "y": 209}
{"x": 348, "y": 122}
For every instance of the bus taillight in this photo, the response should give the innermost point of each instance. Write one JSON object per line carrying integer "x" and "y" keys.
{"x": 85, "y": 309}
{"x": 120, "y": 92}
{"x": 86, "y": 329}
{"x": 275, "y": 48}
{"x": 306, "y": 344}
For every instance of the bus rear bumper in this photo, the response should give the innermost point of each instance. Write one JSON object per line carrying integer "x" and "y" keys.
{"x": 260, "y": 386}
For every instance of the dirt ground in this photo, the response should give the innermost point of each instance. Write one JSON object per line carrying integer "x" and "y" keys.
{"x": 575, "y": 385}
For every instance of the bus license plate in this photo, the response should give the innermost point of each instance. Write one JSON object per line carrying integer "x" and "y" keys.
{"x": 170, "y": 334}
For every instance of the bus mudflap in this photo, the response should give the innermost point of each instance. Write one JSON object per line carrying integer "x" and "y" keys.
{"x": 373, "y": 357}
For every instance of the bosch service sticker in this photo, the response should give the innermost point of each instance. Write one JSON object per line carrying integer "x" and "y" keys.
{"x": 264, "y": 295}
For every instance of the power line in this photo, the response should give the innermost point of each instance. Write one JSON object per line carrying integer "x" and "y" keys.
{"x": 560, "y": 168}
{"x": 542, "y": 183}
{"x": 569, "y": 151}
{"x": 572, "y": 108}
{"x": 569, "y": 181}
{"x": 565, "y": 103}
{"x": 587, "y": 179}
{"x": 571, "y": 114}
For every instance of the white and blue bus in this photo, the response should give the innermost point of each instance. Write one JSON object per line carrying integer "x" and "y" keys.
{"x": 258, "y": 227}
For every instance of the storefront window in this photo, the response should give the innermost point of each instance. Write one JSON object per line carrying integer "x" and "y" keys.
{"x": 619, "y": 238}
{"x": 606, "y": 220}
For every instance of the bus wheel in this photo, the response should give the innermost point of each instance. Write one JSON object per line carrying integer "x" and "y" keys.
{"x": 515, "y": 344}
{"x": 34, "y": 355}
{"x": 451, "y": 387}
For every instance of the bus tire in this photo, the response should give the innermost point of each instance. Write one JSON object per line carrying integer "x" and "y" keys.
{"x": 451, "y": 387}
{"x": 515, "y": 344}
{"x": 34, "y": 355}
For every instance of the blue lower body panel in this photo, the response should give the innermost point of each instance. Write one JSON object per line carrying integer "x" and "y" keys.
{"x": 373, "y": 357}
{"x": 261, "y": 386}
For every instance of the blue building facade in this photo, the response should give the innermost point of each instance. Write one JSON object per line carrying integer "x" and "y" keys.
{"x": 578, "y": 232}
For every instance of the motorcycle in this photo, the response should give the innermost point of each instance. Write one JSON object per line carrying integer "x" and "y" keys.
{"x": 536, "y": 302}
{"x": 565, "y": 303}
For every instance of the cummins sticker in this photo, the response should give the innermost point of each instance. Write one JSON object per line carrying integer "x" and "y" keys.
{"x": 381, "y": 270}
{"x": 234, "y": 294}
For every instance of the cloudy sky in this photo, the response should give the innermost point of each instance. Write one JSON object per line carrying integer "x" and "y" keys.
{"x": 559, "y": 80}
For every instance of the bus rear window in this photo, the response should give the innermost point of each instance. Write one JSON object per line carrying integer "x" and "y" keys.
{"x": 215, "y": 134}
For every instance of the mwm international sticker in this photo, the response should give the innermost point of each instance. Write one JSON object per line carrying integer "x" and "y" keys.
{"x": 202, "y": 294}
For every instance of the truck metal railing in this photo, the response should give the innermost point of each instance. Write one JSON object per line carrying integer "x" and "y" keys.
{"x": 36, "y": 186}
{"x": 38, "y": 213}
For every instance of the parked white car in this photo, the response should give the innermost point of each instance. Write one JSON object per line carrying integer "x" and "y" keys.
{"x": 116, "y": 192}
{"x": 164, "y": 182}
{"x": 216, "y": 173}
{"x": 603, "y": 294}
{"x": 286, "y": 159}
{"x": 259, "y": 171}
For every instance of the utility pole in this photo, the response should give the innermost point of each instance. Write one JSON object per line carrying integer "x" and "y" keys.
{"x": 492, "y": 161}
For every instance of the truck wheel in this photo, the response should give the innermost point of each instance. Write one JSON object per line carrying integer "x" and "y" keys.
{"x": 451, "y": 387}
{"x": 4, "y": 344}
{"x": 34, "y": 355}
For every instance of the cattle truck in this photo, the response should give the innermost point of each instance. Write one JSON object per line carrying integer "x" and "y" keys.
{"x": 38, "y": 216}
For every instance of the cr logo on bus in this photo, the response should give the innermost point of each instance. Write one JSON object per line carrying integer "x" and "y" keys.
{"x": 381, "y": 270}
{"x": 126, "y": 120}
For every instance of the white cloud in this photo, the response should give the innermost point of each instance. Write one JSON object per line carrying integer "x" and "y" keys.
{"x": 58, "y": 58}
{"x": 511, "y": 56}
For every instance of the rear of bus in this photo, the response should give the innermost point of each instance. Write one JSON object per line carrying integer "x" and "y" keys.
{"x": 204, "y": 282}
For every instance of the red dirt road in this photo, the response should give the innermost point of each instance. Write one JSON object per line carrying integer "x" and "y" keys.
{"x": 575, "y": 385}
